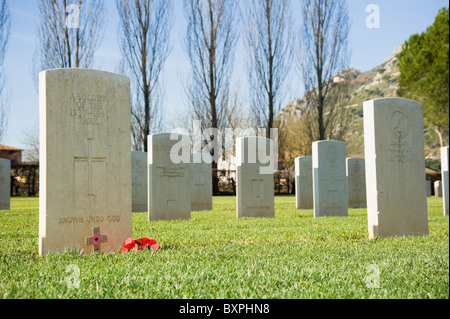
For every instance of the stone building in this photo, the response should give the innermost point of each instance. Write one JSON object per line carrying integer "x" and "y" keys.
{"x": 11, "y": 153}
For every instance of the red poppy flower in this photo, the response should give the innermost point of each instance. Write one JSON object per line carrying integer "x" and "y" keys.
{"x": 140, "y": 243}
{"x": 96, "y": 239}
{"x": 127, "y": 245}
{"x": 151, "y": 244}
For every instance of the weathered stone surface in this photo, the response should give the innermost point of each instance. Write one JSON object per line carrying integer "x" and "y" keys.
{"x": 445, "y": 177}
{"x": 356, "y": 182}
{"x": 303, "y": 183}
{"x": 169, "y": 193}
{"x": 139, "y": 181}
{"x": 5, "y": 184}
{"x": 201, "y": 184}
{"x": 255, "y": 184}
{"x": 395, "y": 175}
{"x": 438, "y": 188}
{"x": 85, "y": 162}
{"x": 329, "y": 179}
{"x": 428, "y": 184}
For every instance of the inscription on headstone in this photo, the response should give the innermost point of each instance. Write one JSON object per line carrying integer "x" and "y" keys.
{"x": 329, "y": 179}
{"x": 395, "y": 175}
{"x": 85, "y": 167}
{"x": 169, "y": 183}
{"x": 255, "y": 190}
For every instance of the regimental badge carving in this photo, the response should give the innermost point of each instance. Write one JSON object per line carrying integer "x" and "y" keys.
{"x": 399, "y": 151}
{"x": 400, "y": 125}
{"x": 332, "y": 154}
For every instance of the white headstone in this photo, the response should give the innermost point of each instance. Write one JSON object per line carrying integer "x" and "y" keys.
{"x": 85, "y": 166}
{"x": 303, "y": 182}
{"x": 438, "y": 188}
{"x": 201, "y": 183}
{"x": 428, "y": 188}
{"x": 255, "y": 184}
{"x": 445, "y": 177}
{"x": 139, "y": 181}
{"x": 169, "y": 193}
{"x": 356, "y": 182}
{"x": 395, "y": 175}
{"x": 329, "y": 179}
{"x": 5, "y": 184}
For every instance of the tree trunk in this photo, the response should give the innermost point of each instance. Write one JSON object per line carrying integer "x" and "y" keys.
{"x": 439, "y": 134}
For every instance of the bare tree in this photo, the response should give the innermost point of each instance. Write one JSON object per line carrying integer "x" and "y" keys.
{"x": 30, "y": 138}
{"x": 5, "y": 24}
{"x": 145, "y": 27}
{"x": 68, "y": 33}
{"x": 268, "y": 42}
{"x": 323, "y": 52}
{"x": 210, "y": 42}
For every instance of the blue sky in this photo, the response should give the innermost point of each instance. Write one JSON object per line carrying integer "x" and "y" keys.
{"x": 369, "y": 47}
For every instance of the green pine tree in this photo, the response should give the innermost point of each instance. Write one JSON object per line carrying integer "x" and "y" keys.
{"x": 424, "y": 73}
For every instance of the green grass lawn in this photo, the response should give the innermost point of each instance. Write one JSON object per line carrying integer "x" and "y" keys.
{"x": 214, "y": 255}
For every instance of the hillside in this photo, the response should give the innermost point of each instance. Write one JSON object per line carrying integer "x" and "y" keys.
{"x": 379, "y": 82}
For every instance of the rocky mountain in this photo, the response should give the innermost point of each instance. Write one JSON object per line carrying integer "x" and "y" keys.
{"x": 382, "y": 81}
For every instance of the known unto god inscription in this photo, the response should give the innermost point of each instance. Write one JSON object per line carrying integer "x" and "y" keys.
{"x": 85, "y": 164}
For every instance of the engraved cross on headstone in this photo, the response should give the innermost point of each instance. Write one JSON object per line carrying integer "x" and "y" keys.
{"x": 199, "y": 182}
{"x": 257, "y": 187}
{"x": 171, "y": 175}
{"x": 96, "y": 239}
{"x": 90, "y": 160}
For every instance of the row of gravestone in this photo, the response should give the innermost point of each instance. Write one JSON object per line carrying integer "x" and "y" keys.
{"x": 355, "y": 182}
{"x": 200, "y": 187}
{"x": 437, "y": 188}
{"x": 85, "y": 198}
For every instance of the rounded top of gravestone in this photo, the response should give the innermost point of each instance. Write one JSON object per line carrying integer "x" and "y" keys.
{"x": 328, "y": 142}
{"x": 75, "y": 70}
{"x": 394, "y": 101}
{"x": 253, "y": 138}
{"x": 167, "y": 135}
